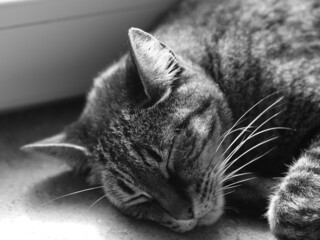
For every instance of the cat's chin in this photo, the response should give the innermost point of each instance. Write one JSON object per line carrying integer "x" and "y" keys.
{"x": 180, "y": 225}
{"x": 187, "y": 225}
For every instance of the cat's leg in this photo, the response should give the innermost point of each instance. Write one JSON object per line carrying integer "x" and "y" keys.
{"x": 294, "y": 210}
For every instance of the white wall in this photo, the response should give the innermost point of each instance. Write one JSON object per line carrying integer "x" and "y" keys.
{"x": 53, "y": 49}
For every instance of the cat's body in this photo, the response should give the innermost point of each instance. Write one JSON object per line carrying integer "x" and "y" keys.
{"x": 253, "y": 49}
{"x": 154, "y": 124}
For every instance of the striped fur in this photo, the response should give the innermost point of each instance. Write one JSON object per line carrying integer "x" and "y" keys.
{"x": 294, "y": 211}
{"x": 174, "y": 126}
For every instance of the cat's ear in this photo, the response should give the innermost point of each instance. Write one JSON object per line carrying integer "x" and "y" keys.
{"x": 60, "y": 146}
{"x": 157, "y": 65}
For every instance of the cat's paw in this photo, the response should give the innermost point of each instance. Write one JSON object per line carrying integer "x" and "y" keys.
{"x": 210, "y": 218}
{"x": 294, "y": 210}
{"x": 179, "y": 225}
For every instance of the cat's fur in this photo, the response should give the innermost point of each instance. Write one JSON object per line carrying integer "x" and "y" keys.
{"x": 154, "y": 120}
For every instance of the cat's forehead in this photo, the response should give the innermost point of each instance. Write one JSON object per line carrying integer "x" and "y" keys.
{"x": 104, "y": 89}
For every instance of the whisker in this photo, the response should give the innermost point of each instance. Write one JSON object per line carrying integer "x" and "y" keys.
{"x": 235, "y": 184}
{"x": 273, "y": 128}
{"x": 249, "y": 110}
{"x": 225, "y": 161}
{"x": 235, "y": 176}
{"x": 97, "y": 201}
{"x": 253, "y": 134}
{"x": 249, "y": 137}
{"x": 245, "y": 129}
{"x": 240, "y": 128}
{"x": 249, "y": 150}
{"x": 220, "y": 191}
{"x": 73, "y": 193}
{"x": 253, "y": 160}
{"x": 231, "y": 208}
{"x": 231, "y": 154}
{"x": 251, "y": 123}
{"x": 226, "y": 134}
{"x": 227, "y": 193}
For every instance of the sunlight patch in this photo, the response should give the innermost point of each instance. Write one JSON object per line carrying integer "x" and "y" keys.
{"x": 27, "y": 229}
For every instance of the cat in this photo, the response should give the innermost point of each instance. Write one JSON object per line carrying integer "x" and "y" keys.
{"x": 218, "y": 89}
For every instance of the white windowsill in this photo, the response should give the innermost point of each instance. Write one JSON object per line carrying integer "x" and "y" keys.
{"x": 52, "y": 49}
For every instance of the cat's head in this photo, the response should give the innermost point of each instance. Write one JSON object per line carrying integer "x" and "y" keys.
{"x": 149, "y": 135}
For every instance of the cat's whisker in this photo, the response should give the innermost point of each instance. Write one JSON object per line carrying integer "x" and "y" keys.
{"x": 253, "y": 134}
{"x": 243, "y": 115}
{"x": 227, "y": 193}
{"x": 239, "y": 129}
{"x": 248, "y": 163}
{"x": 226, "y": 134}
{"x": 244, "y": 165}
{"x": 227, "y": 159}
{"x": 231, "y": 132}
{"x": 235, "y": 184}
{"x": 244, "y": 129}
{"x": 73, "y": 193}
{"x": 221, "y": 192}
{"x": 251, "y": 123}
{"x": 99, "y": 199}
{"x": 231, "y": 208}
{"x": 247, "y": 151}
{"x": 234, "y": 176}
{"x": 269, "y": 119}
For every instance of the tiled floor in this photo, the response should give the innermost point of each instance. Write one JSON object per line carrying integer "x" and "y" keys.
{"x": 27, "y": 183}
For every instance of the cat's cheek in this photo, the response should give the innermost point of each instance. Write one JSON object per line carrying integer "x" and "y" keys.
{"x": 93, "y": 179}
{"x": 214, "y": 215}
{"x": 210, "y": 218}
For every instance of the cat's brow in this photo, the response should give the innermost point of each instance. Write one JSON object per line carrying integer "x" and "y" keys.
{"x": 139, "y": 149}
{"x": 203, "y": 107}
{"x": 140, "y": 154}
{"x": 125, "y": 187}
{"x": 154, "y": 155}
{"x": 118, "y": 173}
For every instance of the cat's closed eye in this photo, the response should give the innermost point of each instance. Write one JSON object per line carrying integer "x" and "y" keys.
{"x": 139, "y": 198}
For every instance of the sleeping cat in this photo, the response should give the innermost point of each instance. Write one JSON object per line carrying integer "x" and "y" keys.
{"x": 220, "y": 89}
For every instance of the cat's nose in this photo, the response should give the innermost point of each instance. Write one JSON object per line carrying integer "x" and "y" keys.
{"x": 176, "y": 206}
{"x": 176, "y": 203}
{"x": 185, "y": 214}
{"x": 181, "y": 211}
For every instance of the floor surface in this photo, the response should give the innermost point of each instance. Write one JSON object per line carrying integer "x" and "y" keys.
{"x": 28, "y": 182}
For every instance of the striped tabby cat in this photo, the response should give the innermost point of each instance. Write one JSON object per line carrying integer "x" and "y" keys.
{"x": 218, "y": 90}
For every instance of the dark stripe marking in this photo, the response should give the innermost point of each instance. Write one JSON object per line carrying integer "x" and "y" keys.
{"x": 125, "y": 187}
{"x": 205, "y": 190}
{"x": 137, "y": 150}
{"x": 154, "y": 155}
{"x": 198, "y": 187}
{"x": 117, "y": 173}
